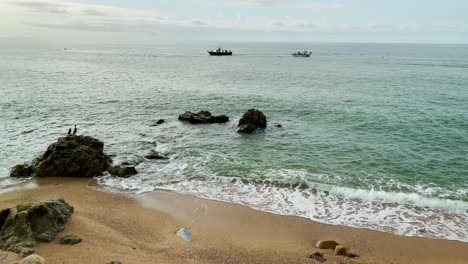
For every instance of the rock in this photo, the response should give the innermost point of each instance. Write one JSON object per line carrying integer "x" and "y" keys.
{"x": 278, "y": 125}
{"x": 70, "y": 240}
{"x": 73, "y": 156}
{"x": 340, "y": 250}
{"x": 248, "y": 129}
{"x": 3, "y": 257}
{"x": 352, "y": 255}
{"x": 26, "y": 224}
{"x": 115, "y": 262}
{"x": 33, "y": 259}
{"x": 326, "y": 244}
{"x": 318, "y": 257}
{"x": 203, "y": 117}
{"x": 153, "y": 155}
{"x": 123, "y": 171}
{"x": 251, "y": 120}
{"x": 23, "y": 170}
{"x": 159, "y": 122}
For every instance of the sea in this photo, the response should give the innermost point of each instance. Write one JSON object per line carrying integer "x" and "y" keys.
{"x": 373, "y": 135}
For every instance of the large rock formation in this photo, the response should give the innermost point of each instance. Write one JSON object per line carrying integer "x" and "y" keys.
{"x": 26, "y": 224}
{"x": 73, "y": 156}
{"x": 22, "y": 170}
{"x": 203, "y": 117}
{"x": 251, "y": 120}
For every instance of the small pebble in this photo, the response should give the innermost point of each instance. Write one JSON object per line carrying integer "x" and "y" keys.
{"x": 317, "y": 256}
{"x": 352, "y": 255}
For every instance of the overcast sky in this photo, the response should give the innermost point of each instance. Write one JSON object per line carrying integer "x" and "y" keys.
{"x": 106, "y": 21}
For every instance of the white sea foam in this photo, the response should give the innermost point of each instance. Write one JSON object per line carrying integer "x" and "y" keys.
{"x": 399, "y": 213}
{"x": 406, "y": 214}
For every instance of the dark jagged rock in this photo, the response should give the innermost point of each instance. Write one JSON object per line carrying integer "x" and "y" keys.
{"x": 24, "y": 225}
{"x": 73, "y": 156}
{"x": 153, "y": 155}
{"x": 251, "y": 120}
{"x": 123, "y": 171}
{"x": 23, "y": 170}
{"x": 70, "y": 240}
{"x": 203, "y": 117}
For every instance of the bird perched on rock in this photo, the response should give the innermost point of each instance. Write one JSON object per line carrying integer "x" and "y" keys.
{"x": 69, "y": 131}
{"x": 74, "y": 130}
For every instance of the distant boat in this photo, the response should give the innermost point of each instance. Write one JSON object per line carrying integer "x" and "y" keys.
{"x": 304, "y": 54}
{"x": 220, "y": 52}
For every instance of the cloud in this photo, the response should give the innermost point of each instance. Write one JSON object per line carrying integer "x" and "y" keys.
{"x": 42, "y": 6}
{"x": 276, "y": 3}
{"x": 34, "y": 17}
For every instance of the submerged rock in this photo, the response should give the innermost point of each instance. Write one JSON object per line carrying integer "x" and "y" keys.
{"x": 327, "y": 244}
{"x": 123, "y": 171}
{"x": 22, "y": 170}
{"x": 33, "y": 259}
{"x": 154, "y": 155}
{"x": 70, "y": 240}
{"x": 159, "y": 122}
{"x": 26, "y": 224}
{"x": 73, "y": 156}
{"x": 203, "y": 117}
{"x": 251, "y": 120}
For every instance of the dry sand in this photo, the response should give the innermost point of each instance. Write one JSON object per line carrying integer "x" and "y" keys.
{"x": 141, "y": 229}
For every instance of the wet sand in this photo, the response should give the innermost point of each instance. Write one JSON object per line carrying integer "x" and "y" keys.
{"x": 141, "y": 229}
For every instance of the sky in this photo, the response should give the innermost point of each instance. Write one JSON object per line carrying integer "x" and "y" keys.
{"x": 165, "y": 21}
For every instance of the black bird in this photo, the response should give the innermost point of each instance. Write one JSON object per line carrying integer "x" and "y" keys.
{"x": 74, "y": 130}
{"x": 69, "y": 131}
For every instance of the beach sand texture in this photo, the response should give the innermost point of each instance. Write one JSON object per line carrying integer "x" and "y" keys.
{"x": 141, "y": 229}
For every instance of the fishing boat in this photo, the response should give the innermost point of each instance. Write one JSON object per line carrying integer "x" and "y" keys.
{"x": 304, "y": 54}
{"x": 220, "y": 52}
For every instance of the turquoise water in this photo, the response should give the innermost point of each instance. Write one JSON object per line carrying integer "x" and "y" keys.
{"x": 378, "y": 132}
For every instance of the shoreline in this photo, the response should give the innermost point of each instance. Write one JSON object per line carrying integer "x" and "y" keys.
{"x": 141, "y": 229}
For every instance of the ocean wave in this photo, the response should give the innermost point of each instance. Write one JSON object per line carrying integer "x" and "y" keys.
{"x": 398, "y": 213}
{"x": 406, "y": 214}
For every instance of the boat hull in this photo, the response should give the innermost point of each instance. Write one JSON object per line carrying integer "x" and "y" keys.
{"x": 302, "y": 55}
{"x": 215, "y": 53}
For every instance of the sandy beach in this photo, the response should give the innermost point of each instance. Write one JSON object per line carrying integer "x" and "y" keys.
{"x": 141, "y": 229}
